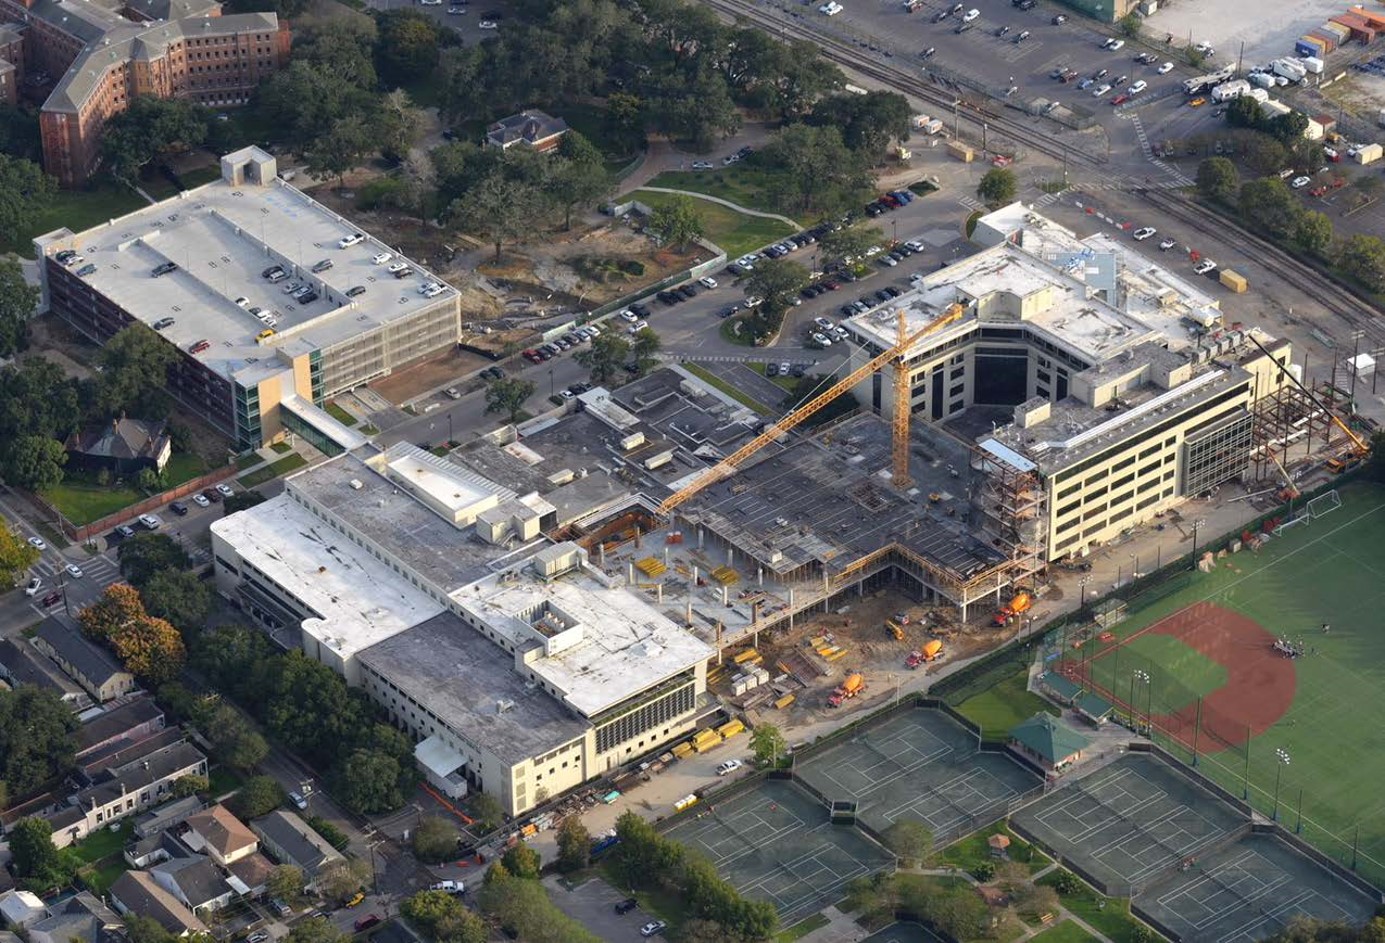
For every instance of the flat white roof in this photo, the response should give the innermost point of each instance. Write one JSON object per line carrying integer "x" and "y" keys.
{"x": 361, "y": 599}
{"x": 627, "y": 645}
{"x": 445, "y": 483}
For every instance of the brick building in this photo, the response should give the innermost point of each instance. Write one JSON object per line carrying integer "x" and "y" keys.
{"x": 109, "y": 51}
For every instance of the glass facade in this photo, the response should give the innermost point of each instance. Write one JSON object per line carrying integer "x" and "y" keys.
{"x": 1216, "y": 455}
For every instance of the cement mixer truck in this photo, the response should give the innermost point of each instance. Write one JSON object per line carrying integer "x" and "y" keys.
{"x": 852, "y": 686}
{"x": 1020, "y": 603}
{"x": 923, "y": 655}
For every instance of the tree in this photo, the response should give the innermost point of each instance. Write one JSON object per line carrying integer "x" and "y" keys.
{"x": 149, "y": 128}
{"x": 134, "y": 371}
{"x": 152, "y": 649}
{"x": 645, "y": 346}
{"x": 242, "y": 501}
{"x": 315, "y": 930}
{"x": 1364, "y": 257}
{"x": 523, "y": 909}
{"x": 19, "y": 133}
{"x": 36, "y": 860}
{"x": 37, "y": 739}
{"x": 140, "y": 929}
{"x": 344, "y": 145}
{"x": 487, "y": 811}
{"x": 1217, "y": 179}
{"x": 522, "y": 861}
{"x": 868, "y": 122}
{"x": 776, "y": 282}
{"x": 435, "y": 840}
{"x": 604, "y": 357}
{"x": 1065, "y": 882}
{"x": 1314, "y": 232}
{"x": 17, "y": 300}
{"x": 1031, "y": 898}
{"x": 813, "y": 169}
{"x": 178, "y": 596}
{"x": 1130, "y": 25}
{"x": 406, "y": 48}
{"x": 285, "y": 882}
{"x": 16, "y": 555}
{"x": 910, "y": 840}
{"x": 1271, "y": 205}
{"x": 25, "y": 192}
{"x": 677, "y": 222}
{"x": 998, "y": 187}
{"x": 34, "y": 462}
{"x": 848, "y": 242}
{"x": 581, "y": 178}
{"x": 257, "y": 796}
{"x": 498, "y": 209}
{"x": 768, "y": 744}
{"x": 190, "y": 785}
{"x": 465, "y": 926}
{"x": 1263, "y": 155}
{"x": 427, "y": 910}
{"x": 508, "y": 396}
{"x": 235, "y": 742}
{"x": 1244, "y": 113}
{"x": 369, "y": 781}
{"x": 340, "y": 880}
{"x": 574, "y": 845}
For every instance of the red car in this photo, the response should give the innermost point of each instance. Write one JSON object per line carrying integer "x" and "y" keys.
{"x": 1120, "y": 99}
{"x": 366, "y": 922}
{"x": 532, "y": 356}
{"x": 51, "y": 599}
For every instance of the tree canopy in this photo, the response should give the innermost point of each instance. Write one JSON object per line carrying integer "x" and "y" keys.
{"x": 134, "y": 374}
{"x": 678, "y": 221}
{"x": 17, "y": 302}
{"x": 37, "y": 863}
{"x": 147, "y": 554}
{"x": 150, "y": 648}
{"x": 508, "y": 396}
{"x": 149, "y": 128}
{"x": 37, "y": 739}
{"x": 16, "y": 555}
{"x": 25, "y": 192}
{"x": 998, "y": 187}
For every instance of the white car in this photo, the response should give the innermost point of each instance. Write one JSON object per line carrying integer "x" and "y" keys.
{"x": 201, "y": 501}
{"x": 397, "y": 267}
{"x": 346, "y": 242}
{"x": 706, "y": 281}
{"x": 151, "y": 521}
{"x": 74, "y": 571}
{"x": 1142, "y": 234}
{"x": 1299, "y": 183}
{"x": 823, "y": 323}
{"x": 629, "y": 316}
{"x": 831, "y": 8}
{"x": 451, "y": 887}
{"x": 382, "y": 257}
{"x": 433, "y": 291}
{"x": 1205, "y": 48}
{"x": 970, "y": 15}
{"x": 1137, "y": 88}
{"x": 34, "y": 586}
{"x": 1115, "y": 44}
{"x": 638, "y": 326}
{"x": 1101, "y": 90}
{"x": 730, "y": 766}
{"x": 701, "y": 165}
{"x": 488, "y": 24}
{"x": 225, "y": 490}
{"x": 242, "y": 302}
{"x": 37, "y": 542}
{"x": 653, "y": 928}
{"x": 1167, "y": 244}
{"x": 1165, "y": 69}
{"x": 1203, "y": 267}
{"x": 820, "y": 339}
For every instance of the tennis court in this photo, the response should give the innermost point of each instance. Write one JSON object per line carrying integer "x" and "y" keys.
{"x": 918, "y": 764}
{"x": 774, "y": 842}
{"x": 1130, "y": 821}
{"x": 1248, "y": 891}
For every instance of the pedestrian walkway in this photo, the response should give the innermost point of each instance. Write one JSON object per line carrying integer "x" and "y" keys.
{"x": 728, "y": 204}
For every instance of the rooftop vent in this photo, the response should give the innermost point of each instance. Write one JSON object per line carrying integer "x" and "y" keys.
{"x": 502, "y": 705}
{"x": 357, "y": 484}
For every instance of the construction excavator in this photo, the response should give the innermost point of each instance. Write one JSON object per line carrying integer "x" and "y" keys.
{"x": 776, "y": 430}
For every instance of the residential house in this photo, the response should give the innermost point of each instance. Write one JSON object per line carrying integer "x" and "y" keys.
{"x": 155, "y": 821}
{"x": 220, "y": 836}
{"x": 88, "y": 664}
{"x": 18, "y": 909}
{"x": 131, "y": 722}
{"x": 1048, "y": 743}
{"x": 197, "y": 882}
{"x": 20, "y": 664}
{"x": 539, "y": 130}
{"x": 139, "y": 784}
{"x": 290, "y": 840}
{"x": 138, "y": 892}
{"x": 123, "y": 752}
{"x": 121, "y": 446}
{"x": 79, "y": 919}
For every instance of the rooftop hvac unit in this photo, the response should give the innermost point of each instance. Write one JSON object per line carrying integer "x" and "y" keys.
{"x": 357, "y": 484}
{"x": 502, "y": 705}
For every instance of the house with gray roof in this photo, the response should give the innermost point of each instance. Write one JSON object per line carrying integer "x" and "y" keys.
{"x": 290, "y": 840}
{"x": 137, "y": 892}
{"x": 79, "y": 919}
{"x": 85, "y": 662}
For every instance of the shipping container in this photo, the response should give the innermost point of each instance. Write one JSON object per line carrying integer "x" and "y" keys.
{"x": 1357, "y": 27}
{"x": 1313, "y": 64}
{"x": 1369, "y": 154}
{"x": 1329, "y": 39}
{"x": 1342, "y": 32}
{"x": 962, "y": 152}
{"x": 1236, "y": 283}
{"x": 933, "y": 127}
{"x": 1310, "y": 46}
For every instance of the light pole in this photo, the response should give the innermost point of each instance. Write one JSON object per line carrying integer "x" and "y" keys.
{"x": 1282, "y": 757}
{"x": 1196, "y": 524}
{"x": 1142, "y": 676}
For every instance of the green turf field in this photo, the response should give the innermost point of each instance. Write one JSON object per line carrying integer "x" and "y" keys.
{"x": 1331, "y": 570}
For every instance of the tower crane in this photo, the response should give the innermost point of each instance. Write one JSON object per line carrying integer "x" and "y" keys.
{"x": 796, "y": 417}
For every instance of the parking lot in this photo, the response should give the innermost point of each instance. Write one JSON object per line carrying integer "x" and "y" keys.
{"x": 592, "y": 903}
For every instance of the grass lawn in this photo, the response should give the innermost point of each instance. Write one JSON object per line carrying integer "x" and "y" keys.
{"x": 248, "y": 461}
{"x": 664, "y": 904}
{"x": 283, "y": 448}
{"x": 736, "y": 233}
{"x": 223, "y": 780}
{"x": 1065, "y": 932}
{"x": 103, "y": 843}
{"x": 972, "y": 851}
{"x": 1113, "y": 920}
{"x": 728, "y": 389}
{"x": 730, "y": 334}
{"x": 1003, "y": 706}
{"x": 82, "y": 500}
{"x": 340, "y": 414}
{"x": 100, "y": 876}
{"x": 739, "y": 183}
{"x": 284, "y": 465}
{"x": 77, "y": 210}
{"x": 1326, "y": 572}
{"x": 801, "y": 929}
{"x": 369, "y": 429}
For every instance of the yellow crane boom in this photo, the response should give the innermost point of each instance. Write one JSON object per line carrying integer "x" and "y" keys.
{"x": 797, "y": 416}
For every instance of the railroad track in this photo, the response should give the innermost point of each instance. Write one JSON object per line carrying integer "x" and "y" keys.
{"x": 1358, "y": 311}
{"x": 786, "y": 23}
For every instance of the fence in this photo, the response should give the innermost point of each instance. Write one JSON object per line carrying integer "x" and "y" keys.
{"x": 84, "y": 532}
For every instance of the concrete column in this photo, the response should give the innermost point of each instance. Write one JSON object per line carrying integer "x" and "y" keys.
{"x": 730, "y": 555}
{"x": 760, "y": 576}
{"x": 630, "y": 569}
{"x": 725, "y": 596}
{"x": 791, "y": 609}
{"x": 699, "y": 538}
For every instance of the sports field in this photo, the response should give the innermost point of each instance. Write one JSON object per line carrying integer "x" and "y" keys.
{"x": 1302, "y": 734}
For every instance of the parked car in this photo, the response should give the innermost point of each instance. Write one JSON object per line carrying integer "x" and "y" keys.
{"x": 35, "y": 584}
{"x": 653, "y": 928}
{"x": 225, "y": 490}
{"x": 38, "y": 543}
{"x": 1144, "y": 233}
{"x": 625, "y": 906}
{"x": 179, "y": 508}
{"x": 730, "y": 766}
{"x": 74, "y": 571}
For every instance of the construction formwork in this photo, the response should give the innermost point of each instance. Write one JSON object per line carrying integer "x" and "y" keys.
{"x": 1014, "y": 514}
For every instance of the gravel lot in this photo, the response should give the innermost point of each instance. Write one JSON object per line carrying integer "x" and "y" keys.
{"x": 1268, "y": 28}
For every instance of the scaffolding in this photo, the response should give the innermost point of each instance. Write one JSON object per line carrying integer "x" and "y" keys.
{"x": 1014, "y": 514}
{"x": 1287, "y": 428}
